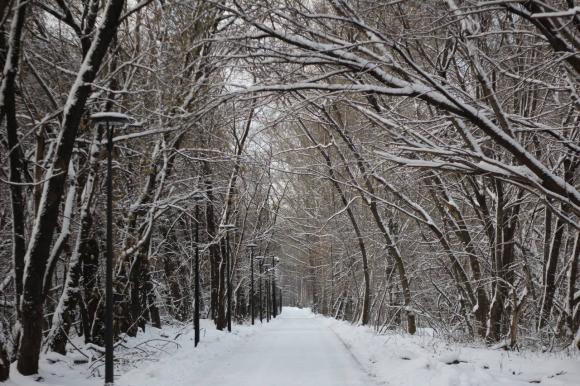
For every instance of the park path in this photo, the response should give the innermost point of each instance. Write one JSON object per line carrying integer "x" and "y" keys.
{"x": 297, "y": 350}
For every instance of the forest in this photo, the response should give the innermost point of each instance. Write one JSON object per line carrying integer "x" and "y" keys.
{"x": 398, "y": 164}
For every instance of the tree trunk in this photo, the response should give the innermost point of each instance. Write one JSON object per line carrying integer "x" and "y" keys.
{"x": 62, "y": 318}
{"x": 572, "y": 311}
{"x": 507, "y": 220}
{"x": 459, "y": 226}
{"x": 4, "y": 360}
{"x": 16, "y": 157}
{"x": 43, "y": 229}
{"x": 93, "y": 325}
{"x": 550, "y": 267}
{"x": 214, "y": 248}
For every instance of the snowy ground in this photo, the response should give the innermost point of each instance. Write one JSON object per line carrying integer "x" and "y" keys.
{"x": 299, "y": 348}
{"x": 403, "y": 360}
{"x": 295, "y": 349}
{"x": 138, "y": 353}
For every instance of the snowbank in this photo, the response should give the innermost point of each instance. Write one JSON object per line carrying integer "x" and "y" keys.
{"x": 155, "y": 354}
{"x": 404, "y": 360}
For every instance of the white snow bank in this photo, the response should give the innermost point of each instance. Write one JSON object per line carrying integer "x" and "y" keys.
{"x": 146, "y": 356}
{"x": 405, "y": 360}
{"x": 173, "y": 368}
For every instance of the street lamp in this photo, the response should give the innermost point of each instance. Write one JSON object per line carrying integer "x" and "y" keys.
{"x": 252, "y": 246}
{"x": 196, "y": 288}
{"x": 268, "y": 298}
{"x": 274, "y": 308}
{"x": 267, "y": 294}
{"x": 281, "y": 302}
{"x": 261, "y": 265}
{"x": 227, "y": 228}
{"x": 110, "y": 120}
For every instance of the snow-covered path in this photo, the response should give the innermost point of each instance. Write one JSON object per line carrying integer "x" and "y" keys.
{"x": 295, "y": 349}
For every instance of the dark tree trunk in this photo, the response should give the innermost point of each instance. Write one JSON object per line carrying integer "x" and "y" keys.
{"x": 550, "y": 267}
{"x": 461, "y": 230}
{"x": 573, "y": 313}
{"x": 214, "y": 249}
{"x": 551, "y": 264}
{"x": 507, "y": 220}
{"x": 84, "y": 250}
{"x": 221, "y": 320}
{"x": 135, "y": 291}
{"x": 148, "y": 299}
{"x": 91, "y": 322}
{"x": 176, "y": 305}
{"x": 15, "y": 156}
{"x": 4, "y": 360}
{"x": 16, "y": 159}
{"x": 90, "y": 260}
{"x": 46, "y": 221}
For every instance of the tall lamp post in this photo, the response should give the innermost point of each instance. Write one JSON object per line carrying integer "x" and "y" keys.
{"x": 281, "y": 300}
{"x": 261, "y": 272}
{"x": 252, "y": 246}
{"x": 110, "y": 120}
{"x": 196, "y": 286}
{"x": 228, "y": 262}
{"x": 267, "y": 294}
{"x": 274, "y": 307}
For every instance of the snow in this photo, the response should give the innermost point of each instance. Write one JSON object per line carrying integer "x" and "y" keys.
{"x": 111, "y": 117}
{"x": 569, "y": 12}
{"x": 300, "y": 348}
{"x": 294, "y": 349}
{"x": 150, "y": 346}
{"x": 423, "y": 359}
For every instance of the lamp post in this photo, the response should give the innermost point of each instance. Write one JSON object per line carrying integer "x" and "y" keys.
{"x": 252, "y": 246}
{"x": 110, "y": 120}
{"x": 281, "y": 300}
{"x": 227, "y": 228}
{"x": 196, "y": 288}
{"x": 268, "y": 281}
{"x": 274, "y": 307}
{"x": 261, "y": 265}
